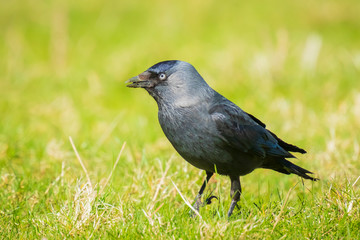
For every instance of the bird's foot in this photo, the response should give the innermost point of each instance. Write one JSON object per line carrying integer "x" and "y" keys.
{"x": 208, "y": 200}
{"x": 199, "y": 204}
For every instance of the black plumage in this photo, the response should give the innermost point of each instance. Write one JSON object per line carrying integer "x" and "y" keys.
{"x": 211, "y": 132}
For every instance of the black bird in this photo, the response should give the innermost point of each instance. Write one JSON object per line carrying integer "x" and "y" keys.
{"x": 211, "y": 132}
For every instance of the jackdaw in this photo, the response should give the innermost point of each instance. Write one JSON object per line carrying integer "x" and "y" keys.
{"x": 211, "y": 132}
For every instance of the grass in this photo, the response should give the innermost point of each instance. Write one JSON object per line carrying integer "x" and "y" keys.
{"x": 294, "y": 65}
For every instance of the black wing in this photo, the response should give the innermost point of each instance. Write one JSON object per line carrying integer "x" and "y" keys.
{"x": 284, "y": 145}
{"x": 243, "y": 133}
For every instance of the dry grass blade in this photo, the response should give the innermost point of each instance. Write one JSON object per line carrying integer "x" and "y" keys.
{"x": 81, "y": 162}
{"x": 151, "y": 221}
{"x": 160, "y": 183}
{"x": 277, "y": 219}
{"x": 116, "y": 162}
{"x": 187, "y": 202}
{"x": 356, "y": 181}
{"x": 58, "y": 178}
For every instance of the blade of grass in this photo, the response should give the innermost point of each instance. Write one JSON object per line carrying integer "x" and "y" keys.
{"x": 81, "y": 162}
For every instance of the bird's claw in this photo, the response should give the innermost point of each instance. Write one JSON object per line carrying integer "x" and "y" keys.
{"x": 208, "y": 200}
{"x": 199, "y": 204}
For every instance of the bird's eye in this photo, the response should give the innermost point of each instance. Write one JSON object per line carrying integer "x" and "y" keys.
{"x": 162, "y": 76}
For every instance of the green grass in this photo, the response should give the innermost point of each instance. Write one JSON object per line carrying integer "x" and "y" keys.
{"x": 62, "y": 70}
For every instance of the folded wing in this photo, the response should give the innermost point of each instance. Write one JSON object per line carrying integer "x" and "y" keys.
{"x": 245, "y": 133}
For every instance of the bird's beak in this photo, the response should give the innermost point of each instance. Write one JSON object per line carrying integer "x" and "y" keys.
{"x": 141, "y": 81}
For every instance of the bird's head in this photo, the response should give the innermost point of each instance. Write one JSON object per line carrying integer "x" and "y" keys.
{"x": 156, "y": 75}
{"x": 170, "y": 81}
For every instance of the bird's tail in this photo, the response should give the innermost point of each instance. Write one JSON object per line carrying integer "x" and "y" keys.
{"x": 284, "y": 166}
{"x": 292, "y": 168}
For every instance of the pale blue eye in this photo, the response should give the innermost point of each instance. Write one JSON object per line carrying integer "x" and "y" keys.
{"x": 162, "y": 76}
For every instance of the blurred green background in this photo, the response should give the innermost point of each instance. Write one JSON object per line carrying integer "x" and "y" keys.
{"x": 293, "y": 64}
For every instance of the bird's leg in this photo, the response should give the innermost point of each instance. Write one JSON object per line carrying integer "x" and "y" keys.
{"x": 197, "y": 200}
{"x": 234, "y": 193}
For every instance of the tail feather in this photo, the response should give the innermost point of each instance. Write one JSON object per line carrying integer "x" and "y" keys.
{"x": 292, "y": 168}
{"x": 284, "y": 166}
